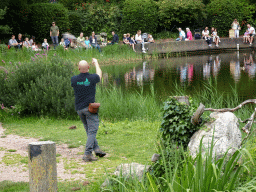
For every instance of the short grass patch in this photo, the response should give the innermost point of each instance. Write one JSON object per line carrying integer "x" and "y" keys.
{"x": 12, "y": 159}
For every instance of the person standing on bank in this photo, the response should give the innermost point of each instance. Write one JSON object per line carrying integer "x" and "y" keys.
{"x": 54, "y": 34}
{"x": 84, "y": 86}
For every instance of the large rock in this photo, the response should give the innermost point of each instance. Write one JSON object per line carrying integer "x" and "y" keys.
{"x": 227, "y": 135}
{"x": 129, "y": 170}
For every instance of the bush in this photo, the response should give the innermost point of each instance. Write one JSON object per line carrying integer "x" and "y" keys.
{"x": 3, "y": 48}
{"x": 99, "y": 18}
{"x": 139, "y": 14}
{"x": 39, "y": 87}
{"x": 221, "y": 14}
{"x": 176, "y": 127}
{"x": 41, "y": 16}
{"x": 181, "y": 13}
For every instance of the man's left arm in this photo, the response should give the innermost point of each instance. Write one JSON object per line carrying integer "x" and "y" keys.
{"x": 58, "y": 32}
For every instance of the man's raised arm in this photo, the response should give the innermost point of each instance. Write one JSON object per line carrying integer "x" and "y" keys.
{"x": 98, "y": 70}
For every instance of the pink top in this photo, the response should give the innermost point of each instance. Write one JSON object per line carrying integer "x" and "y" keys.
{"x": 189, "y": 35}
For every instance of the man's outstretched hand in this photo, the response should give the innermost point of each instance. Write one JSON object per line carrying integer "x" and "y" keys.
{"x": 94, "y": 61}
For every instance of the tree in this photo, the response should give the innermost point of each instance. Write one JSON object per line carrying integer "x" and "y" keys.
{"x": 221, "y": 14}
{"x": 4, "y": 29}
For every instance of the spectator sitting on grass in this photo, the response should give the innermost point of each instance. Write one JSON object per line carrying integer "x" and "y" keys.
{"x": 20, "y": 41}
{"x": 182, "y": 35}
{"x": 189, "y": 35}
{"x": 205, "y": 33}
{"x": 131, "y": 41}
{"x": 80, "y": 40}
{"x": 67, "y": 43}
{"x": 73, "y": 44}
{"x": 32, "y": 40}
{"x": 45, "y": 45}
{"x": 246, "y": 36}
{"x": 125, "y": 39}
{"x": 93, "y": 41}
{"x": 13, "y": 42}
{"x": 87, "y": 43}
{"x": 150, "y": 39}
{"x": 26, "y": 43}
{"x": 62, "y": 43}
{"x": 115, "y": 38}
{"x": 34, "y": 47}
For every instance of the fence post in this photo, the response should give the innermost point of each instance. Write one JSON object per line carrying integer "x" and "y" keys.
{"x": 42, "y": 166}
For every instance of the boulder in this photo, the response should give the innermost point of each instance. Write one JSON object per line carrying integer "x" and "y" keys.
{"x": 227, "y": 135}
{"x": 129, "y": 170}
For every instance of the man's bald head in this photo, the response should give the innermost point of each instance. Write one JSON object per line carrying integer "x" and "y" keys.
{"x": 83, "y": 66}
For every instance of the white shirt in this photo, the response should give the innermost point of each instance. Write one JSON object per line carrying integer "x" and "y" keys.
{"x": 251, "y": 30}
{"x": 205, "y": 33}
{"x": 138, "y": 37}
{"x": 182, "y": 33}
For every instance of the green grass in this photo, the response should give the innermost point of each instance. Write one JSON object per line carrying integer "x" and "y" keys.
{"x": 8, "y": 186}
{"x": 110, "y": 55}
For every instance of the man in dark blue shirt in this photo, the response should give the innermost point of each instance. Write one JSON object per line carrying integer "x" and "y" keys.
{"x": 115, "y": 38}
{"x": 84, "y": 86}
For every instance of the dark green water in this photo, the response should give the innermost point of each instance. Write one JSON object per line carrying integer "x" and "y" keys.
{"x": 226, "y": 72}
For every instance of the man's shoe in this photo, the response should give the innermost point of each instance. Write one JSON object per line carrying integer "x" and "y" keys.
{"x": 99, "y": 153}
{"x": 88, "y": 158}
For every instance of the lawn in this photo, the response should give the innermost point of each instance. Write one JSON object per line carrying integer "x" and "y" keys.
{"x": 123, "y": 141}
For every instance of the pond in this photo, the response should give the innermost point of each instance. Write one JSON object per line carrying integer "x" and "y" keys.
{"x": 227, "y": 72}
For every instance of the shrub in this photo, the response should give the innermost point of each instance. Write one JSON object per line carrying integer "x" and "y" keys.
{"x": 39, "y": 87}
{"x": 176, "y": 127}
{"x": 3, "y": 48}
{"x": 99, "y": 18}
{"x": 180, "y": 13}
{"x": 221, "y": 14}
{"x": 41, "y": 16}
{"x": 139, "y": 14}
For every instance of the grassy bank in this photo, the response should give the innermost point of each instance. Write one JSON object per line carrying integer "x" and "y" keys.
{"x": 110, "y": 55}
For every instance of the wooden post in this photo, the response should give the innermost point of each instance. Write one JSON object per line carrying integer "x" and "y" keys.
{"x": 42, "y": 166}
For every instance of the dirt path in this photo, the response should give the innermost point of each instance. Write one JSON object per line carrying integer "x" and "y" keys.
{"x": 15, "y": 170}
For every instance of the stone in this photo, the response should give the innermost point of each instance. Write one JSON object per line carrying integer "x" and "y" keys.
{"x": 128, "y": 170}
{"x": 155, "y": 157}
{"x": 227, "y": 135}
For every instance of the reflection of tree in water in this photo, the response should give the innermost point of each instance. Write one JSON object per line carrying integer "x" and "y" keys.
{"x": 140, "y": 75}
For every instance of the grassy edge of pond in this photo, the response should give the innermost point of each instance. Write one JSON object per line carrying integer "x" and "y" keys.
{"x": 117, "y": 136}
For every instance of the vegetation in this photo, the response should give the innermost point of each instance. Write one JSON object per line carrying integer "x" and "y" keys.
{"x": 125, "y": 16}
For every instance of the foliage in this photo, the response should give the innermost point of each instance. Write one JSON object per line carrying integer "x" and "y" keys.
{"x": 139, "y": 15}
{"x": 39, "y": 87}
{"x": 4, "y": 28}
{"x": 181, "y": 13}
{"x": 221, "y": 14}
{"x": 16, "y": 16}
{"x": 3, "y": 48}
{"x": 75, "y": 22}
{"x": 41, "y": 16}
{"x": 99, "y": 18}
{"x": 202, "y": 173}
{"x": 176, "y": 127}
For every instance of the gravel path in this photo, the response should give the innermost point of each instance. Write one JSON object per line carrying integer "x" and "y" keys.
{"x": 19, "y": 171}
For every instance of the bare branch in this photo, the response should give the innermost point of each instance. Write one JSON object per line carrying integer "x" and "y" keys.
{"x": 247, "y": 128}
{"x": 231, "y": 110}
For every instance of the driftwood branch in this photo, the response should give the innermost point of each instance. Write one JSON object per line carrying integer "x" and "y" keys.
{"x": 195, "y": 119}
{"x": 247, "y": 128}
{"x": 234, "y": 109}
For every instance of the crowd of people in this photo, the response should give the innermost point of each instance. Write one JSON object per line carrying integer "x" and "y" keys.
{"x": 213, "y": 36}
{"x": 92, "y": 41}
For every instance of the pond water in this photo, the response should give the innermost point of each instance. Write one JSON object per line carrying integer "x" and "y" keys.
{"x": 225, "y": 71}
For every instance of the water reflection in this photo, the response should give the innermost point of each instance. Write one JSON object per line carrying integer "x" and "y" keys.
{"x": 249, "y": 65}
{"x": 226, "y": 69}
{"x": 141, "y": 76}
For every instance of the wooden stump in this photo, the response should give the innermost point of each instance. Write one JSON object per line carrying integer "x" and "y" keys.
{"x": 42, "y": 166}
